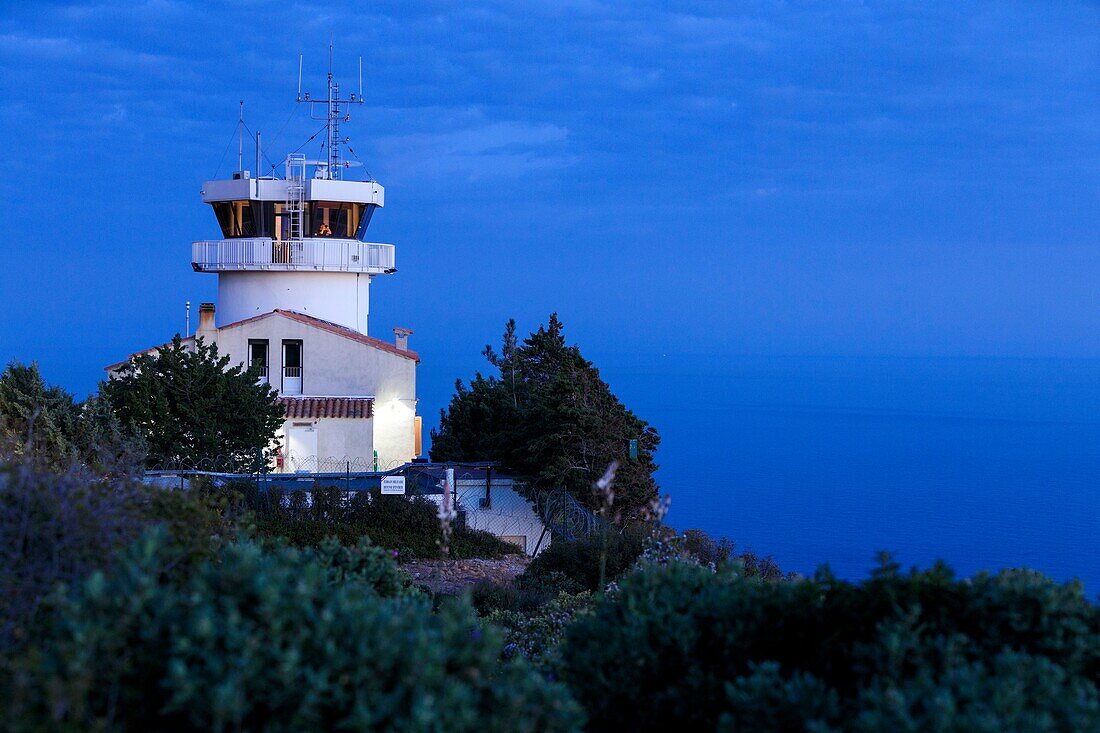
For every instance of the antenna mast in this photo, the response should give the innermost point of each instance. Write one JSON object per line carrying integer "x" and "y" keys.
{"x": 335, "y": 109}
{"x": 240, "y": 138}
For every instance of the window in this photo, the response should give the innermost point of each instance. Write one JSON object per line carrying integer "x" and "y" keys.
{"x": 236, "y": 218}
{"x": 340, "y": 219}
{"x": 292, "y": 367}
{"x": 257, "y": 358}
{"x": 365, "y": 213}
{"x": 330, "y": 219}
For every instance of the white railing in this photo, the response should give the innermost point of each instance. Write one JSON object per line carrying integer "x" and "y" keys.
{"x": 329, "y": 255}
{"x": 292, "y": 380}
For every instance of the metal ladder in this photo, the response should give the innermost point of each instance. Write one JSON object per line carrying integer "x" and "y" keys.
{"x": 295, "y": 194}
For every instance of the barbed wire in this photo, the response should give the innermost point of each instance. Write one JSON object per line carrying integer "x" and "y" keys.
{"x": 564, "y": 516}
{"x": 505, "y": 506}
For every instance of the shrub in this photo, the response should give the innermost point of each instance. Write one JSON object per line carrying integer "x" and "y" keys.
{"x": 536, "y": 634}
{"x": 680, "y": 646}
{"x": 579, "y": 560}
{"x": 57, "y": 527}
{"x": 276, "y": 640}
{"x": 410, "y": 526}
{"x": 706, "y": 550}
{"x": 525, "y": 594}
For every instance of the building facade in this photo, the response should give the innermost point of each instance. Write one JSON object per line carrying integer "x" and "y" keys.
{"x": 294, "y": 267}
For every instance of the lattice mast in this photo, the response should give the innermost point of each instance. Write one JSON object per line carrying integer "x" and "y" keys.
{"x": 336, "y": 110}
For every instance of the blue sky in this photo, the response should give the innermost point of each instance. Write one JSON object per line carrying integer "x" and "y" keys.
{"x": 842, "y": 178}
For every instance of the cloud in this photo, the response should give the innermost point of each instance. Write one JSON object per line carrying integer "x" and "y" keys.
{"x": 485, "y": 149}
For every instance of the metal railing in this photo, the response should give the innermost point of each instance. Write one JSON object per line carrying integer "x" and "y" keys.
{"x": 320, "y": 254}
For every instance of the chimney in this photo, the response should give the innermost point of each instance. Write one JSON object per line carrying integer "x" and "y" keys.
{"x": 208, "y": 332}
{"x": 401, "y": 338}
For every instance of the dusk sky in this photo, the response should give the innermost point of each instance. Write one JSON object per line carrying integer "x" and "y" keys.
{"x": 845, "y": 178}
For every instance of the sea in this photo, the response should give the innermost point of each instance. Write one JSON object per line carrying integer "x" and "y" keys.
{"x": 985, "y": 463}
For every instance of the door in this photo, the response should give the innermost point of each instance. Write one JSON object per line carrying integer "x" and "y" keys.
{"x": 301, "y": 448}
{"x": 292, "y": 367}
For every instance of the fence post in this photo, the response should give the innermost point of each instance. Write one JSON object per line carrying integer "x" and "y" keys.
{"x": 488, "y": 487}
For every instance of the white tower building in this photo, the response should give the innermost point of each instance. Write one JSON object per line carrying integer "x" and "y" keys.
{"x": 294, "y": 268}
{"x": 298, "y": 242}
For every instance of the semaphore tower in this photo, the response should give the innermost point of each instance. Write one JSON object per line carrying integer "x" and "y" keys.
{"x": 297, "y": 242}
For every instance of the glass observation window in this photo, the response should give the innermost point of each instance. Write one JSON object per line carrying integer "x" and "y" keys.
{"x": 331, "y": 219}
{"x": 236, "y": 218}
{"x": 337, "y": 219}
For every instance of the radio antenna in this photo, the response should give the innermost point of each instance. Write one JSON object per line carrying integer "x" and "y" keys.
{"x": 336, "y": 109}
{"x": 299, "y": 77}
{"x": 240, "y": 139}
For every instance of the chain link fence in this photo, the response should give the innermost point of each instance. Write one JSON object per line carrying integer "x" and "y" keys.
{"x": 484, "y": 498}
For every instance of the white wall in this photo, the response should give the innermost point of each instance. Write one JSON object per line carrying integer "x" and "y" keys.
{"x": 338, "y": 440}
{"x": 340, "y": 297}
{"x": 509, "y": 513}
{"x": 334, "y": 365}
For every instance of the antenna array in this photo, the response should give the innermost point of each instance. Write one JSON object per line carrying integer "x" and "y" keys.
{"x": 335, "y": 110}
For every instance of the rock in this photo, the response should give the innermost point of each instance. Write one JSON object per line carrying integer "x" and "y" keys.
{"x": 449, "y": 577}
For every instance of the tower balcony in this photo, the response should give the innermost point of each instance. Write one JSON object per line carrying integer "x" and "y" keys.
{"x": 314, "y": 255}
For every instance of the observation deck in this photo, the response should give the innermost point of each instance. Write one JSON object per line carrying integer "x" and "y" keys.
{"x": 325, "y": 254}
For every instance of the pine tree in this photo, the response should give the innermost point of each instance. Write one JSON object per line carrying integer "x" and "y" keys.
{"x": 548, "y": 415}
{"x": 192, "y": 406}
{"x": 44, "y": 421}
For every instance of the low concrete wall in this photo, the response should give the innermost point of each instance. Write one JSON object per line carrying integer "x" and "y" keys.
{"x": 508, "y": 514}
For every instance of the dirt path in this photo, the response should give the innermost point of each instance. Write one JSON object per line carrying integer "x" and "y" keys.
{"x": 451, "y": 576}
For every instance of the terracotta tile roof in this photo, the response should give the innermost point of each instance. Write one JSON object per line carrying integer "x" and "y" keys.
{"x": 329, "y": 326}
{"x": 340, "y": 331}
{"x": 313, "y": 407}
{"x": 150, "y": 350}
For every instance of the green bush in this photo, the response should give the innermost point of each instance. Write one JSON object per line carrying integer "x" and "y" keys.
{"x": 273, "y": 639}
{"x": 706, "y": 550}
{"x": 524, "y": 595}
{"x": 410, "y": 526}
{"x": 536, "y": 635}
{"x": 59, "y": 526}
{"x": 579, "y": 560}
{"x": 682, "y": 647}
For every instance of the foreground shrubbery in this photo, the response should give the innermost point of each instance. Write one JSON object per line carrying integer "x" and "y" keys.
{"x": 409, "y": 526}
{"x": 272, "y": 639}
{"x": 679, "y": 646}
{"x": 195, "y": 628}
{"x": 575, "y": 565}
{"x": 58, "y": 527}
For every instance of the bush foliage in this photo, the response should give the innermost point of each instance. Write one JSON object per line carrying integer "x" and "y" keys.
{"x": 193, "y": 404}
{"x": 409, "y": 526}
{"x": 273, "y": 639}
{"x": 58, "y": 527}
{"x": 578, "y": 561}
{"x": 682, "y": 647}
{"x": 44, "y": 422}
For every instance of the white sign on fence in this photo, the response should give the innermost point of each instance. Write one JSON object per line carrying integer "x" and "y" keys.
{"x": 393, "y": 484}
